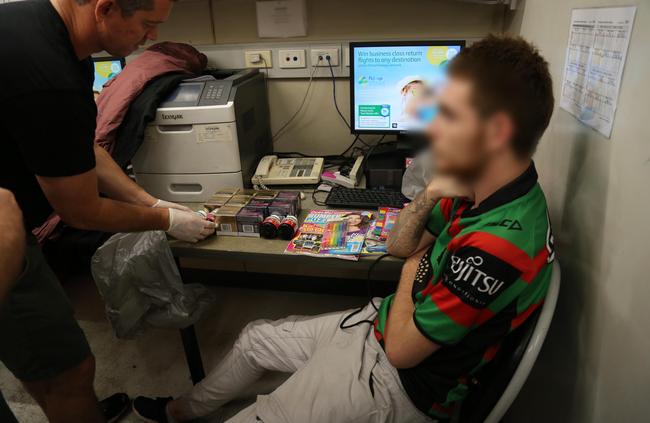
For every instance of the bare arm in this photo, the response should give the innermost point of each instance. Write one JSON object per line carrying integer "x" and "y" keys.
{"x": 115, "y": 184}
{"x": 408, "y": 235}
{"x": 405, "y": 345}
{"x": 76, "y": 199}
{"x": 12, "y": 242}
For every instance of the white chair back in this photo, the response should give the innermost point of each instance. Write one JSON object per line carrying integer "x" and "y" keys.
{"x": 532, "y": 350}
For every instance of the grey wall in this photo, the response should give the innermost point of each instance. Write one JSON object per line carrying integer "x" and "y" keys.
{"x": 319, "y": 130}
{"x": 595, "y": 365}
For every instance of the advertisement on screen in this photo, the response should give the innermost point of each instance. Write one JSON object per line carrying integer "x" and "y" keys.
{"x": 396, "y": 87}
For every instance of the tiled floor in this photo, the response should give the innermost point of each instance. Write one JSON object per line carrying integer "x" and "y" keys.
{"x": 154, "y": 363}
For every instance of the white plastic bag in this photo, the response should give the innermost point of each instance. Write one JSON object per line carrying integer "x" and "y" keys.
{"x": 418, "y": 174}
{"x": 141, "y": 286}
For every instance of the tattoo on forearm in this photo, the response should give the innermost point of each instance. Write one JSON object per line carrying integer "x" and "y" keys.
{"x": 408, "y": 229}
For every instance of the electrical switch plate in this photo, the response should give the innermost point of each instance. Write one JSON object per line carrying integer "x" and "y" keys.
{"x": 319, "y": 57}
{"x": 289, "y": 59}
{"x": 264, "y": 59}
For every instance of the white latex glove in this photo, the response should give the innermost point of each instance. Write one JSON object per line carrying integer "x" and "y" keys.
{"x": 188, "y": 226}
{"x": 162, "y": 204}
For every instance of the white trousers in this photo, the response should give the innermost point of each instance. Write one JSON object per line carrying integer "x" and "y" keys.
{"x": 338, "y": 375}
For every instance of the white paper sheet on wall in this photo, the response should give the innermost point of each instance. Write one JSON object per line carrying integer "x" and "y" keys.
{"x": 281, "y": 18}
{"x": 595, "y": 58}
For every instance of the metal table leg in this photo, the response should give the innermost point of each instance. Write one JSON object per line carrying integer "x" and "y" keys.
{"x": 191, "y": 345}
{"x": 193, "y": 354}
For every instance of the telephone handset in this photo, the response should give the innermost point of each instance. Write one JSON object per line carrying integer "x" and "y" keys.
{"x": 264, "y": 167}
{"x": 291, "y": 171}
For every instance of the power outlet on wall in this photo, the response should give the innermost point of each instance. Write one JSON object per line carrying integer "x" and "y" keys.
{"x": 291, "y": 59}
{"x": 320, "y": 56}
{"x": 258, "y": 59}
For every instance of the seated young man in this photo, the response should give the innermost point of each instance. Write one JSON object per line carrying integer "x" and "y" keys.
{"x": 478, "y": 249}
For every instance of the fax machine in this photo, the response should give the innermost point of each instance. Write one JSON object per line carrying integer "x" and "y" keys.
{"x": 208, "y": 134}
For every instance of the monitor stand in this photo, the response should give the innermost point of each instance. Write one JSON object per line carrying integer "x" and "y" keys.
{"x": 386, "y": 165}
{"x": 412, "y": 142}
{"x": 405, "y": 145}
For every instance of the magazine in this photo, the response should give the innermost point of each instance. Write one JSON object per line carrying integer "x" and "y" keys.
{"x": 378, "y": 233}
{"x": 332, "y": 233}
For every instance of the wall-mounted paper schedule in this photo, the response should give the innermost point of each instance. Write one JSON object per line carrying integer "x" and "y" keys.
{"x": 593, "y": 69}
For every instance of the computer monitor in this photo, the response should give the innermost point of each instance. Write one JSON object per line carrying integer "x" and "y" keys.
{"x": 393, "y": 85}
{"x": 106, "y": 68}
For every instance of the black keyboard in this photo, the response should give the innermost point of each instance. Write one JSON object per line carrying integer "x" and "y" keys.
{"x": 364, "y": 198}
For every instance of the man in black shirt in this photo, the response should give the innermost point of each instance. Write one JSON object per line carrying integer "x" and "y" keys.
{"x": 49, "y": 161}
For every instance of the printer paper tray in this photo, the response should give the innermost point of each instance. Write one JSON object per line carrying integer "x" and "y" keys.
{"x": 187, "y": 188}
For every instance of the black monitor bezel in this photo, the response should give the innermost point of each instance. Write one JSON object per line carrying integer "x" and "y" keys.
{"x": 363, "y": 44}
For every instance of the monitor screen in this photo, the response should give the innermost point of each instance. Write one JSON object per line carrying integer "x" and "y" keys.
{"x": 106, "y": 68}
{"x": 394, "y": 85}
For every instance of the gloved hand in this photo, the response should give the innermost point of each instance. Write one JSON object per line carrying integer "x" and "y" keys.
{"x": 162, "y": 204}
{"x": 188, "y": 226}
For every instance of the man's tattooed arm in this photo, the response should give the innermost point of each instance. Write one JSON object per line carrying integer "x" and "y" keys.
{"x": 406, "y": 236}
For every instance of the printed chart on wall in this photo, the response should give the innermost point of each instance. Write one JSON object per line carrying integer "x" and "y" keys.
{"x": 595, "y": 58}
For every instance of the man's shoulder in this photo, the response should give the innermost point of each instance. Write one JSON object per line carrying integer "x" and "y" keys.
{"x": 524, "y": 223}
{"x": 35, "y": 54}
{"x": 22, "y": 23}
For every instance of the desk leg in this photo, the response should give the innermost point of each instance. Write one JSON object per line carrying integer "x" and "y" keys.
{"x": 192, "y": 354}
{"x": 191, "y": 346}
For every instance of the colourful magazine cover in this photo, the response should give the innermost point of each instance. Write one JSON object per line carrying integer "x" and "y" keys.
{"x": 378, "y": 233}
{"x": 314, "y": 239}
{"x": 372, "y": 247}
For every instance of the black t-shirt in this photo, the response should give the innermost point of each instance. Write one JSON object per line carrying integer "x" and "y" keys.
{"x": 47, "y": 108}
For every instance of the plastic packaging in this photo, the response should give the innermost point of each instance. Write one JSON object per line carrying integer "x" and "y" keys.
{"x": 141, "y": 286}
{"x": 248, "y": 222}
{"x": 418, "y": 174}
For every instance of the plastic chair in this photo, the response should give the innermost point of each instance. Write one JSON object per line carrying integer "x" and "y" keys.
{"x": 496, "y": 386}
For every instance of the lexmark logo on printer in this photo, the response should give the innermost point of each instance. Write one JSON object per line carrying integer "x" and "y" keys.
{"x": 172, "y": 117}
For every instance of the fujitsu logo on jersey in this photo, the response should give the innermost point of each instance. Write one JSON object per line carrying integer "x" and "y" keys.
{"x": 467, "y": 270}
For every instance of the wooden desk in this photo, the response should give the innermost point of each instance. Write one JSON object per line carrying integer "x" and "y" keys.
{"x": 255, "y": 255}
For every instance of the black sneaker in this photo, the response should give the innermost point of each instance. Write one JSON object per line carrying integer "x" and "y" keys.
{"x": 151, "y": 410}
{"x": 115, "y": 407}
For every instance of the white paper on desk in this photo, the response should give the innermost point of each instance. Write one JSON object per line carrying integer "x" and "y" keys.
{"x": 281, "y": 18}
{"x": 593, "y": 68}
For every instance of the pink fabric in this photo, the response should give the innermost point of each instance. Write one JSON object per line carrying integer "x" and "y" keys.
{"x": 45, "y": 231}
{"x": 118, "y": 93}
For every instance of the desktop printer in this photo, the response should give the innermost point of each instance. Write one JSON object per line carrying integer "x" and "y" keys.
{"x": 208, "y": 134}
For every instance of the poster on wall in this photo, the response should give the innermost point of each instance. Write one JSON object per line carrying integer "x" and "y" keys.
{"x": 281, "y": 18}
{"x": 593, "y": 68}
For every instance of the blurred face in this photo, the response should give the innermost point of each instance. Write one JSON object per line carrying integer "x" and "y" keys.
{"x": 458, "y": 134}
{"x": 121, "y": 35}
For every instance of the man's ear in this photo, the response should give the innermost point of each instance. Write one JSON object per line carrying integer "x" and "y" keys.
{"x": 500, "y": 130}
{"x": 104, "y": 8}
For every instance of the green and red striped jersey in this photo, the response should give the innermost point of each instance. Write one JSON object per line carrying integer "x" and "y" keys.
{"x": 487, "y": 271}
